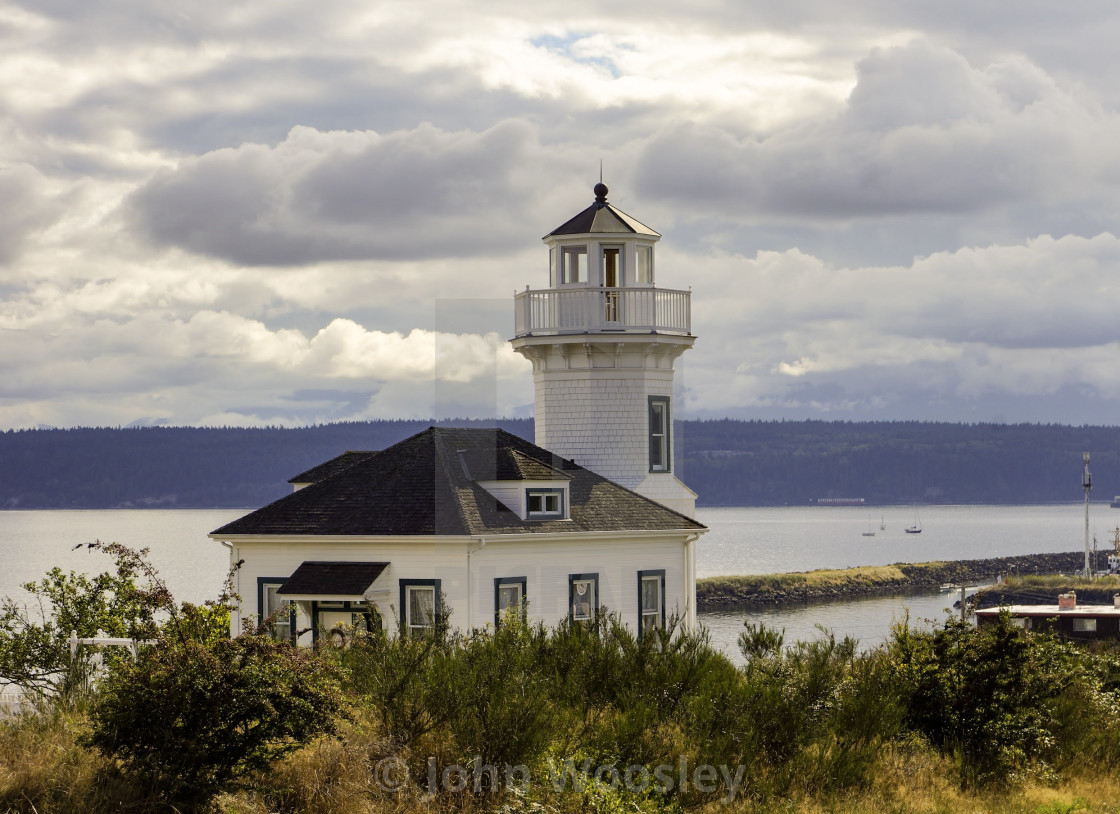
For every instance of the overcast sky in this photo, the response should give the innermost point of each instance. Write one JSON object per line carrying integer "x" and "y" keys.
{"x": 278, "y": 212}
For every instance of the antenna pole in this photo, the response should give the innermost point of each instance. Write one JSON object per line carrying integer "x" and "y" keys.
{"x": 1087, "y": 485}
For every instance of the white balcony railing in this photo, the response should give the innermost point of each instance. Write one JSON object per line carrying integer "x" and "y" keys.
{"x": 577, "y": 310}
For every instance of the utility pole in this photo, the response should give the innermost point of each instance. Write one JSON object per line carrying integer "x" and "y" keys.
{"x": 1087, "y": 485}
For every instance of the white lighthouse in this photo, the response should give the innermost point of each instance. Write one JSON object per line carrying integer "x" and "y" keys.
{"x": 603, "y": 339}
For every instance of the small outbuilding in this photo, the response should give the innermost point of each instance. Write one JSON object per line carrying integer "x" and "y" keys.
{"x": 1067, "y": 618}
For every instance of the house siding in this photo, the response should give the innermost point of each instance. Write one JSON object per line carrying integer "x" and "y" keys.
{"x": 545, "y": 564}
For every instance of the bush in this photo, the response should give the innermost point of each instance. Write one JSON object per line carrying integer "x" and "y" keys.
{"x": 191, "y": 717}
{"x": 987, "y": 694}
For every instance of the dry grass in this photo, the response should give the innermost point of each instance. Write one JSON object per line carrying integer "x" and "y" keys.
{"x": 914, "y": 779}
{"x": 1060, "y": 581}
{"x": 823, "y": 579}
{"x": 42, "y": 769}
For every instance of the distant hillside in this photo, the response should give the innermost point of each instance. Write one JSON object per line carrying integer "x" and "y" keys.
{"x": 729, "y": 463}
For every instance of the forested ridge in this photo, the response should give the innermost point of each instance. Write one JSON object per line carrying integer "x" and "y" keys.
{"x": 727, "y": 462}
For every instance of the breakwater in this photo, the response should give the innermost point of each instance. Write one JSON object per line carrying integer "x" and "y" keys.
{"x": 721, "y": 593}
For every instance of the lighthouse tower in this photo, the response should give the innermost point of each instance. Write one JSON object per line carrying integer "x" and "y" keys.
{"x": 603, "y": 339}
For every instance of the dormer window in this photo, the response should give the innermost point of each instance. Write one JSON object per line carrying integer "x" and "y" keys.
{"x": 573, "y": 264}
{"x": 544, "y": 503}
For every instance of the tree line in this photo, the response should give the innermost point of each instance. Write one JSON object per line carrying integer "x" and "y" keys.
{"x": 727, "y": 462}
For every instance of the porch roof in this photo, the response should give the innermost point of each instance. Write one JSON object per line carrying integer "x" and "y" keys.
{"x": 334, "y": 579}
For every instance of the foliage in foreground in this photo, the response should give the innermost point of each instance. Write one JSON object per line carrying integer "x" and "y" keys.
{"x": 436, "y": 722}
{"x": 189, "y": 717}
{"x": 35, "y": 637}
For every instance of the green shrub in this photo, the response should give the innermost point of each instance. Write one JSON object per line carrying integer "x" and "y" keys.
{"x": 396, "y": 676}
{"x": 191, "y": 717}
{"x": 499, "y": 695}
{"x": 989, "y": 695}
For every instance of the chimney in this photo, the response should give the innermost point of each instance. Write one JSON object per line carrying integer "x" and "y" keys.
{"x": 1067, "y": 601}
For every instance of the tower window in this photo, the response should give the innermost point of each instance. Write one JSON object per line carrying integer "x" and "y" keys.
{"x": 659, "y": 426}
{"x": 644, "y": 272}
{"x": 573, "y": 264}
{"x": 612, "y": 266}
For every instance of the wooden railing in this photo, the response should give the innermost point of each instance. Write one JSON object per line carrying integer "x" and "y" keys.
{"x": 577, "y": 310}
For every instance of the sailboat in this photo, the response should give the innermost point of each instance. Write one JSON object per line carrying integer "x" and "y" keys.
{"x": 883, "y": 523}
{"x": 869, "y": 532}
{"x": 917, "y": 527}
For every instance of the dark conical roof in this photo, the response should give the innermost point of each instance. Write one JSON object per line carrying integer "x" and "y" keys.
{"x": 602, "y": 217}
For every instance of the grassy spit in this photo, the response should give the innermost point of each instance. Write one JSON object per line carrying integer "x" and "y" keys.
{"x": 769, "y": 589}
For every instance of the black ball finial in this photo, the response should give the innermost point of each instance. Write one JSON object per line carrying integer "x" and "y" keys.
{"x": 601, "y": 192}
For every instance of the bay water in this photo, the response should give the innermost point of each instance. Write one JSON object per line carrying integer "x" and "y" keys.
{"x": 740, "y": 541}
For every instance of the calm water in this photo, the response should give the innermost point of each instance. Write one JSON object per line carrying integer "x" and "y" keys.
{"x": 741, "y": 541}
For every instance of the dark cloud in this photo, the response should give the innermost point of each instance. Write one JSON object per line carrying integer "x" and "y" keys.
{"x": 419, "y": 194}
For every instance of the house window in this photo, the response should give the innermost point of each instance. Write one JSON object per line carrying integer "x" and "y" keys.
{"x": 554, "y": 266}
{"x": 644, "y": 272}
{"x": 651, "y": 600}
{"x": 541, "y": 503}
{"x": 1082, "y": 625}
{"x": 573, "y": 268}
{"x": 420, "y": 605}
{"x": 583, "y": 597}
{"x": 282, "y": 625}
{"x": 659, "y": 424}
{"x": 509, "y": 597}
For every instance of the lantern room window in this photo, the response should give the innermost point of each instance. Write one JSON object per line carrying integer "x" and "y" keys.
{"x": 644, "y": 272}
{"x": 573, "y": 265}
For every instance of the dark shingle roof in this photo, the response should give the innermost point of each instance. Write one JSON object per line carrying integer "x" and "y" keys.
{"x": 505, "y": 463}
{"x": 332, "y": 578}
{"x": 421, "y": 487}
{"x": 602, "y": 217}
{"x": 328, "y": 468}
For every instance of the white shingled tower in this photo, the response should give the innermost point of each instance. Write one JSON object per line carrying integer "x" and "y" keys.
{"x": 603, "y": 340}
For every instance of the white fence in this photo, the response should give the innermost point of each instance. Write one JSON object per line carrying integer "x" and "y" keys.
{"x": 106, "y": 641}
{"x": 575, "y": 310}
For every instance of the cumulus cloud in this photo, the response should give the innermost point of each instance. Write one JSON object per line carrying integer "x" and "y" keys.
{"x": 1017, "y": 322}
{"x": 923, "y": 131}
{"x": 279, "y": 212}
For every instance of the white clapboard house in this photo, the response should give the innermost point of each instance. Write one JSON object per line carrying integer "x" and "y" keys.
{"x": 463, "y": 524}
